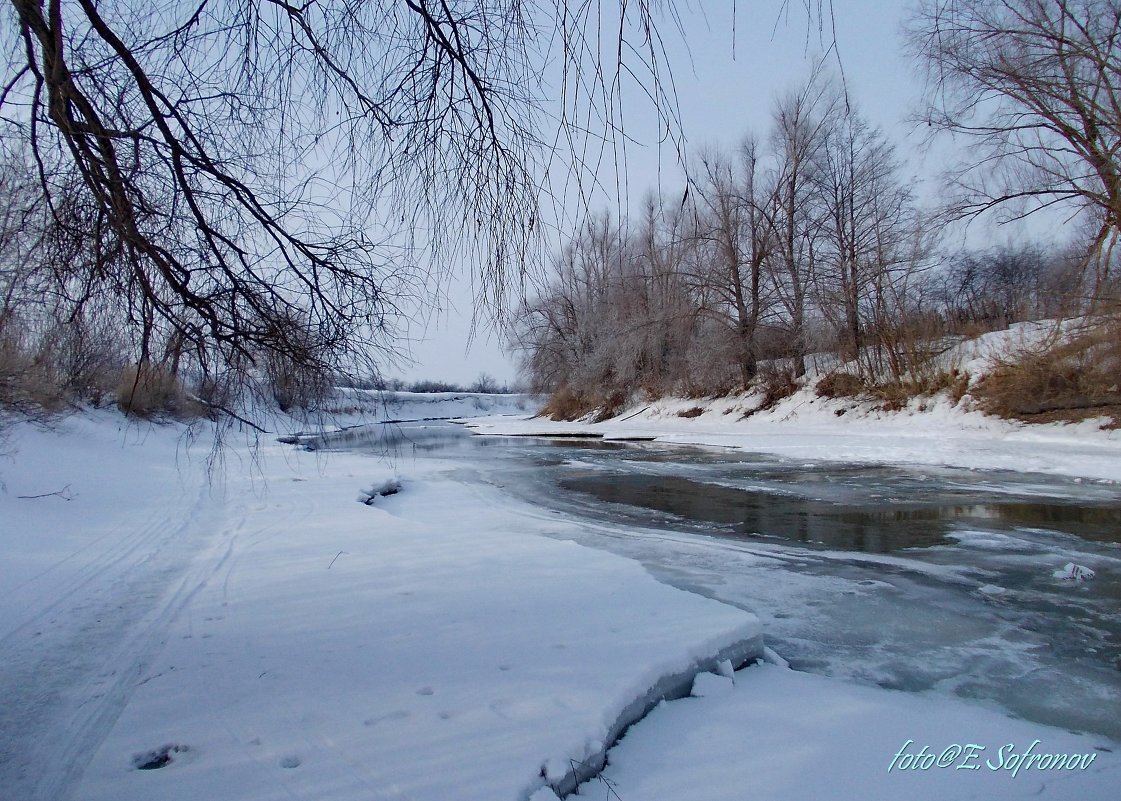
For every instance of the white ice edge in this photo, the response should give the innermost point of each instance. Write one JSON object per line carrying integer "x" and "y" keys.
{"x": 670, "y": 687}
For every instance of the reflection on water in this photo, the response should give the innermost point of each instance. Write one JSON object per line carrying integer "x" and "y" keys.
{"x": 855, "y": 524}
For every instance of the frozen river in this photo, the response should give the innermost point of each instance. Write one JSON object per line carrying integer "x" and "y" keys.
{"x": 920, "y": 579}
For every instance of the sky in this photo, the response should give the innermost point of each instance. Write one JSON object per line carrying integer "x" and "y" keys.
{"x": 728, "y": 74}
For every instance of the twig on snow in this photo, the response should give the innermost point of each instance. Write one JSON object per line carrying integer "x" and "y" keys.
{"x": 63, "y": 493}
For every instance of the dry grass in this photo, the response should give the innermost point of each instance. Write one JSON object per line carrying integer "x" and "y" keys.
{"x": 894, "y": 395}
{"x": 775, "y": 383}
{"x": 152, "y": 390}
{"x": 567, "y": 403}
{"x": 610, "y": 406}
{"x": 841, "y": 385}
{"x": 696, "y": 411}
{"x": 1064, "y": 379}
{"x": 28, "y": 385}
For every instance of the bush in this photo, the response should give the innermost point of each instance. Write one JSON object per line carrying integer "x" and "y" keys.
{"x": 696, "y": 411}
{"x": 27, "y": 384}
{"x": 485, "y": 384}
{"x": 1066, "y": 379}
{"x": 840, "y": 385}
{"x": 775, "y": 383}
{"x": 567, "y": 404}
{"x": 611, "y": 405}
{"x": 895, "y": 394}
{"x": 150, "y": 390}
{"x": 297, "y": 385}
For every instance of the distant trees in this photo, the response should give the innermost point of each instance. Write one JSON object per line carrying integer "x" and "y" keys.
{"x": 806, "y": 240}
{"x": 485, "y": 383}
{"x": 996, "y": 287}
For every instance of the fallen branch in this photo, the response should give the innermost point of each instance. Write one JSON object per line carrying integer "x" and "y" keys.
{"x": 63, "y": 493}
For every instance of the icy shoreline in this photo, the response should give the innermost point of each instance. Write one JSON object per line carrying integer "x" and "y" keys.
{"x": 804, "y": 426}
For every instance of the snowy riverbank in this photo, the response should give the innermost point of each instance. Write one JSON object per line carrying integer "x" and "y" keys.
{"x": 256, "y": 633}
{"x": 805, "y": 426}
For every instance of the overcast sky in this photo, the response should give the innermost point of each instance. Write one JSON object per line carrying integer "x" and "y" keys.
{"x": 726, "y": 86}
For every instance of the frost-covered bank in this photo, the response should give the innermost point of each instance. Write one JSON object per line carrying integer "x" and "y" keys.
{"x": 805, "y": 426}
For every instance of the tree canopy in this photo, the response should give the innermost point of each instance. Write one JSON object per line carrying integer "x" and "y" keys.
{"x": 232, "y": 178}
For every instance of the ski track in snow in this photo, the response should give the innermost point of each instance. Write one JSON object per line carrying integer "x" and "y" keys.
{"x": 73, "y": 658}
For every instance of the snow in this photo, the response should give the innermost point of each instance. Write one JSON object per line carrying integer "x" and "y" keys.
{"x": 290, "y": 642}
{"x": 805, "y": 427}
{"x": 1073, "y": 572}
{"x": 779, "y": 734}
{"x": 365, "y": 405}
{"x": 238, "y": 618}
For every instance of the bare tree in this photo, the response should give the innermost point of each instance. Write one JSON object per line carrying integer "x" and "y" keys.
{"x": 246, "y": 178}
{"x": 1035, "y": 87}
{"x": 801, "y": 123}
{"x": 868, "y": 219}
{"x": 731, "y": 228}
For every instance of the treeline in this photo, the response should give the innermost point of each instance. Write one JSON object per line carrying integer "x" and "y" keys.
{"x": 806, "y": 241}
{"x": 485, "y": 384}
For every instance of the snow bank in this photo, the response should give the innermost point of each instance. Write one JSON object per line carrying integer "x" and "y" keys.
{"x": 806, "y": 427}
{"x": 780, "y": 734}
{"x": 382, "y": 406}
{"x": 290, "y": 642}
{"x": 929, "y": 431}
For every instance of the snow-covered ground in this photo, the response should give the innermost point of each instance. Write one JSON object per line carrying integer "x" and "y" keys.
{"x": 779, "y": 734}
{"x": 805, "y": 426}
{"x": 278, "y": 639}
{"x": 246, "y": 629}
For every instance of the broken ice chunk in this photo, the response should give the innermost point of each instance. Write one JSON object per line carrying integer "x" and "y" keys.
{"x": 389, "y": 487}
{"x": 1073, "y": 572}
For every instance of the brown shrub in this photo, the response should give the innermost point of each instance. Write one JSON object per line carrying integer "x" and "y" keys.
{"x": 297, "y": 385}
{"x": 1069, "y": 378}
{"x": 840, "y": 385}
{"x": 149, "y": 390}
{"x": 611, "y": 405}
{"x": 696, "y": 411}
{"x": 28, "y": 386}
{"x": 567, "y": 404}
{"x": 776, "y": 383}
{"x": 894, "y": 395}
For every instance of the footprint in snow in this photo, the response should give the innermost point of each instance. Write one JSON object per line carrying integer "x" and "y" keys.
{"x": 290, "y": 762}
{"x": 158, "y": 758}
{"x": 425, "y": 691}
